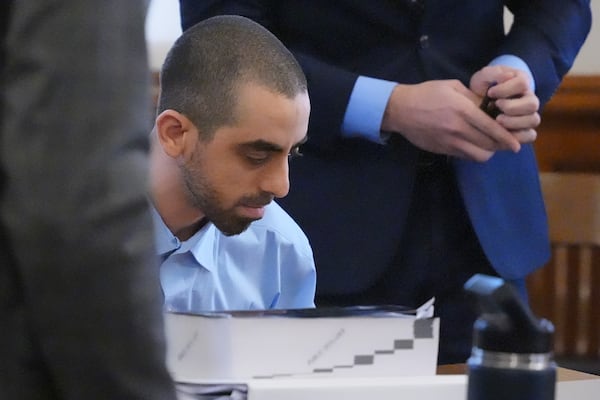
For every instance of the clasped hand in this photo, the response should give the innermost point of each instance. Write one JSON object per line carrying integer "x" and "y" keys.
{"x": 444, "y": 116}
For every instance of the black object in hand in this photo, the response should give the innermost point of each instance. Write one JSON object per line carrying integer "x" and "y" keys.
{"x": 488, "y": 105}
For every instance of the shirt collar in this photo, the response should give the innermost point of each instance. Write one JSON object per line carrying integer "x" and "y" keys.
{"x": 164, "y": 241}
{"x": 201, "y": 245}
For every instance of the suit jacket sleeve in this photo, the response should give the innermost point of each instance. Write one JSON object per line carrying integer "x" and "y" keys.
{"x": 547, "y": 35}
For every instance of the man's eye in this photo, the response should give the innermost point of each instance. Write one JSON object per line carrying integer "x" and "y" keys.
{"x": 257, "y": 158}
{"x": 295, "y": 153}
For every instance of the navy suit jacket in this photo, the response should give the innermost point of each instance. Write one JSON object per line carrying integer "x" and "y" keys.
{"x": 352, "y": 196}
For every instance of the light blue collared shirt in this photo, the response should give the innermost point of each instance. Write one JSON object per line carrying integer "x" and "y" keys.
{"x": 270, "y": 265}
{"x": 370, "y": 96}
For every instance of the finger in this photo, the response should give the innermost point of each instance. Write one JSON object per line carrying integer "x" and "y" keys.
{"x": 465, "y": 91}
{"x": 469, "y": 151}
{"x": 488, "y": 76}
{"x": 492, "y": 129}
{"x": 525, "y": 136}
{"x": 463, "y": 129}
{"x": 519, "y": 122}
{"x": 474, "y": 137}
{"x": 518, "y": 85}
{"x": 525, "y": 105}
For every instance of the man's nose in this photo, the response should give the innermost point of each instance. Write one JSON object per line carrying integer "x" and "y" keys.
{"x": 277, "y": 180}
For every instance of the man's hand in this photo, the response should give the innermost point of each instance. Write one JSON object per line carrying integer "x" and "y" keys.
{"x": 444, "y": 117}
{"x": 512, "y": 94}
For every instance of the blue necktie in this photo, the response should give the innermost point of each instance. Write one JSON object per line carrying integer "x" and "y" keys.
{"x": 505, "y": 204}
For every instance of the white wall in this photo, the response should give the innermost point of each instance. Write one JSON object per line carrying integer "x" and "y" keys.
{"x": 162, "y": 28}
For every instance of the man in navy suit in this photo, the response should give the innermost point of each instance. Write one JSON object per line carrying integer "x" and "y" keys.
{"x": 407, "y": 188}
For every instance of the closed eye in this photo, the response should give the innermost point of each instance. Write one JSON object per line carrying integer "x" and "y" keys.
{"x": 259, "y": 152}
{"x": 258, "y": 158}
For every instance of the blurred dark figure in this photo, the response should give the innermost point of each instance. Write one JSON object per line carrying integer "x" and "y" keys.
{"x": 80, "y": 306}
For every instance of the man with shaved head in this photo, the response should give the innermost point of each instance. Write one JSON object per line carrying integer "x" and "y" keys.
{"x": 233, "y": 109}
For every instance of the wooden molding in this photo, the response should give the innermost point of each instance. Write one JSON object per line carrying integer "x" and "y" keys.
{"x": 578, "y": 94}
{"x": 569, "y": 135}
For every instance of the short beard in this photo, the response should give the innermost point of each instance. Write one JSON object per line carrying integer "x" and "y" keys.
{"x": 203, "y": 196}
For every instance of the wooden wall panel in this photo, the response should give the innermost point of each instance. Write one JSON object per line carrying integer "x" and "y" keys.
{"x": 569, "y": 135}
{"x": 566, "y": 290}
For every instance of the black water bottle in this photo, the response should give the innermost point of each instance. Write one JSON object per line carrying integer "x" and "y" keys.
{"x": 512, "y": 355}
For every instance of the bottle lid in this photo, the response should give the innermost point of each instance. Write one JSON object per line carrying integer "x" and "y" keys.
{"x": 506, "y": 323}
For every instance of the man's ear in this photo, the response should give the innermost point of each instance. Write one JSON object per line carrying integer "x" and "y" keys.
{"x": 172, "y": 128}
